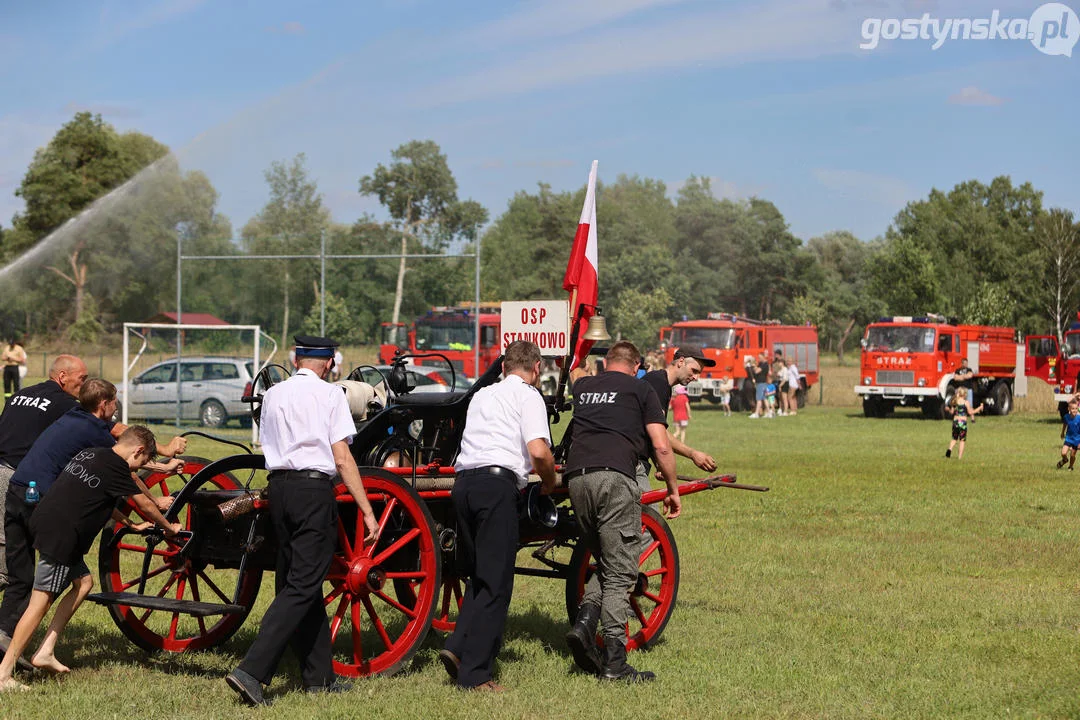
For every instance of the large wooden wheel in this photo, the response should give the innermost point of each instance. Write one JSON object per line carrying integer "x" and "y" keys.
{"x": 653, "y": 598}
{"x": 175, "y": 576}
{"x": 373, "y": 631}
{"x": 447, "y": 603}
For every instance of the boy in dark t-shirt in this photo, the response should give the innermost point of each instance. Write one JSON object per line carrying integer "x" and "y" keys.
{"x": 65, "y": 524}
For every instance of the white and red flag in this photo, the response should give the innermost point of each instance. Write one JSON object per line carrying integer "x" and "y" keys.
{"x": 581, "y": 278}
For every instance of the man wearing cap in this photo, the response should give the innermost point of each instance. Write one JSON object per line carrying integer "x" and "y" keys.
{"x": 685, "y": 367}
{"x": 616, "y": 418}
{"x": 306, "y": 429}
{"x": 506, "y": 435}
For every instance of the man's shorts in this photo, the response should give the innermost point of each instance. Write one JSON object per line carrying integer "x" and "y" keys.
{"x": 1071, "y": 442}
{"x": 759, "y": 391}
{"x": 53, "y": 577}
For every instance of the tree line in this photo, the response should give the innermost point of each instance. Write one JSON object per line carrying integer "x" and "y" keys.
{"x": 104, "y": 212}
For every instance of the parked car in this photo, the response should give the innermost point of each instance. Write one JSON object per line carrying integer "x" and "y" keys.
{"x": 445, "y": 376}
{"x": 424, "y": 379}
{"x": 210, "y": 390}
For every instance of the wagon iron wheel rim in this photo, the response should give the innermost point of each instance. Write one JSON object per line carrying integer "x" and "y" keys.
{"x": 372, "y": 631}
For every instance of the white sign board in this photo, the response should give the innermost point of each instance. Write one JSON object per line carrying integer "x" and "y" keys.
{"x": 544, "y": 322}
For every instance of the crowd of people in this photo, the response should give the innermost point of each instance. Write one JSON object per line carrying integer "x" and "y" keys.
{"x": 776, "y": 385}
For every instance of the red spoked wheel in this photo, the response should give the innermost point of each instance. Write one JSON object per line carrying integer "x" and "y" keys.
{"x": 653, "y": 598}
{"x": 450, "y": 597}
{"x": 448, "y": 603}
{"x": 172, "y": 575}
{"x": 374, "y": 632}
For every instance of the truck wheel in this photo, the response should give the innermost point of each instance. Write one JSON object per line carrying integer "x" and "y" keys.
{"x": 1002, "y": 397}
{"x": 1063, "y": 409}
{"x": 871, "y": 407}
{"x": 931, "y": 408}
{"x": 800, "y": 397}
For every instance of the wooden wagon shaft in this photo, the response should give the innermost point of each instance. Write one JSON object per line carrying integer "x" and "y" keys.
{"x": 693, "y": 485}
{"x": 441, "y": 479}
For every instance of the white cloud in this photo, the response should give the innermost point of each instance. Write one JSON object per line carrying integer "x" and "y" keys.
{"x": 545, "y": 164}
{"x": 288, "y": 28}
{"x": 972, "y": 95}
{"x": 866, "y": 187}
{"x": 105, "y": 109}
{"x": 147, "y": 16}
{"x": 559, "y": 18}
{"x": 764, "y": 32}
{"x": 723, "y": 189}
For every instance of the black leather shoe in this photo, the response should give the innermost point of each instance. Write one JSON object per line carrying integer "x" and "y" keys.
{"x": 247, "y": 687}
{"x": 338, "y": 686}
{"x": 451, "y": 662}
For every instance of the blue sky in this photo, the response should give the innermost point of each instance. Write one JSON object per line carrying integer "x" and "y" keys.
{"x": 771, "y": 98}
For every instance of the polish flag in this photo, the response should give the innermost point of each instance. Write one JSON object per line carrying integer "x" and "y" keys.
{"x": 581, "y": 274}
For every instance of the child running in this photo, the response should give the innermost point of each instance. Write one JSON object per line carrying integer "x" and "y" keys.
{"x": 961, "y": 410}
{"x": 680, "y": 412}
{"x": 1070, "y": 434}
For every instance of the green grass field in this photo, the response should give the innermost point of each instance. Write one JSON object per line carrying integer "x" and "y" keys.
{"x": 875, "y": 579}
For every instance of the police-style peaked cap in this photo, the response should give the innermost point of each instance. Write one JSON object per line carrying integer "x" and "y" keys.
{"x": 312, "y": 346}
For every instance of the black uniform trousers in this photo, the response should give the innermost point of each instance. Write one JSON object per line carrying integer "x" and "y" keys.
{"x": 487, "y": 514}
{"x": 21, "y": 560}
{"x": 304, "y": 515}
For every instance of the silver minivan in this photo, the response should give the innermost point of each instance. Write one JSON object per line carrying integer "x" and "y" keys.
{"x": 210, "y": 390}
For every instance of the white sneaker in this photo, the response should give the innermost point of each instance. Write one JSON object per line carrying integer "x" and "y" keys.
{"x": 754, "y": 416}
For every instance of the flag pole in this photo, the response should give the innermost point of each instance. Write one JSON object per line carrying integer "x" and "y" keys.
{"x": 564, "y": 374}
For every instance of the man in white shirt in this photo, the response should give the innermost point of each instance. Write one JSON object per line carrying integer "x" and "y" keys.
{"x": 306, "y": 429}
{"x": 506, "y": 435}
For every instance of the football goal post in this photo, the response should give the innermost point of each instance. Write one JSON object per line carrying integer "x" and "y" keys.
{"x": 138, "y": 330}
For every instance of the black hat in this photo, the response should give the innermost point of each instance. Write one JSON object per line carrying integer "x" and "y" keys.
{"x": 317, "y": 347}
{"x": 695, "y": 352}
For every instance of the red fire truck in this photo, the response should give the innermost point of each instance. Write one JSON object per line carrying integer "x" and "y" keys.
{"x": 912, "y": 361}
{"x": 1057, "y": 366}
{"x": 730, "y": 340}
{"x": 449, "y": 331}
{"x": 395, "y": 337}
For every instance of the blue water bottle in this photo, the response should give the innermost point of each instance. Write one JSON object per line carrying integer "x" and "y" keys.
{"x": 32, "y": 494}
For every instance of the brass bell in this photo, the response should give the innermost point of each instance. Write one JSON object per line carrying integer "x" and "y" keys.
{"x": 597, "y": 329}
